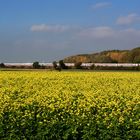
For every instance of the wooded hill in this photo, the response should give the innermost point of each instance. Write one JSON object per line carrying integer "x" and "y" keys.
{"x": 110, "y": 56}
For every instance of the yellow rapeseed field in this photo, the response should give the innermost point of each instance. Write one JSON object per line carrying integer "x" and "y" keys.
{"x": 70, "y": 105}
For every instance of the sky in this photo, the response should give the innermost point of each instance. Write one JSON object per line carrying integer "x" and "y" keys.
{"x": 50, "y": 30}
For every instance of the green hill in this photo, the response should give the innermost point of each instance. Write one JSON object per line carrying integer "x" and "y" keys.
{"x": 110, "y": 56}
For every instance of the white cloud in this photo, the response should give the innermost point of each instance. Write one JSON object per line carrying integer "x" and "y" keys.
{"x": 97, "y": 32}
{"x": 113, "y": 38}
{"x": 104, "y": 38}
{"x": 86, "y": 40}
{"x": 49, "y": 28}
{"x": 128, "y": 20}
{"x": 101, "y": 5}
{"x": 108, "y": 32}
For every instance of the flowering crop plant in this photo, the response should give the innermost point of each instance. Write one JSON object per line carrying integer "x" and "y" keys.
{"x": 69, "y": 105}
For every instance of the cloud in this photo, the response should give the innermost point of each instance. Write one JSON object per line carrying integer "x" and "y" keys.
{"x": 128, "y": 20}
{"x": 101, "y": 5}
{"x": 107, "y": 32}
{"x": 104, "y": 38}
{"x": 97, "y": 32}
{"x": 52, "y": 47}
{"x": 107, "y": 36}
{"x": 49, "y": 28}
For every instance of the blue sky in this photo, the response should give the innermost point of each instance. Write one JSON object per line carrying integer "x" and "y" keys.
{"x": 48, "y": 30}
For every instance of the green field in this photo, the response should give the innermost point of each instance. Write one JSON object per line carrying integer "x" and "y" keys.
{"x": 41, "y": 105}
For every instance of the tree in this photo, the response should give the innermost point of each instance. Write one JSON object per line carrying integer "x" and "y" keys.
{"x": 2, "y": 65}
{"x": 102, "y": 59}
{"x": 36, "y": 65}
{"x": 134, "y": 55}
{"x": 62, "y": 64}
{"x": 137, "y": 59}
{"x": 56, "y": 67}
{"x": 78, "y": 65}
{"x": 92, "y": 67}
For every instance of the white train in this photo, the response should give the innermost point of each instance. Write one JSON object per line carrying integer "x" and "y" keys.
{"x": 83, "y": 64}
